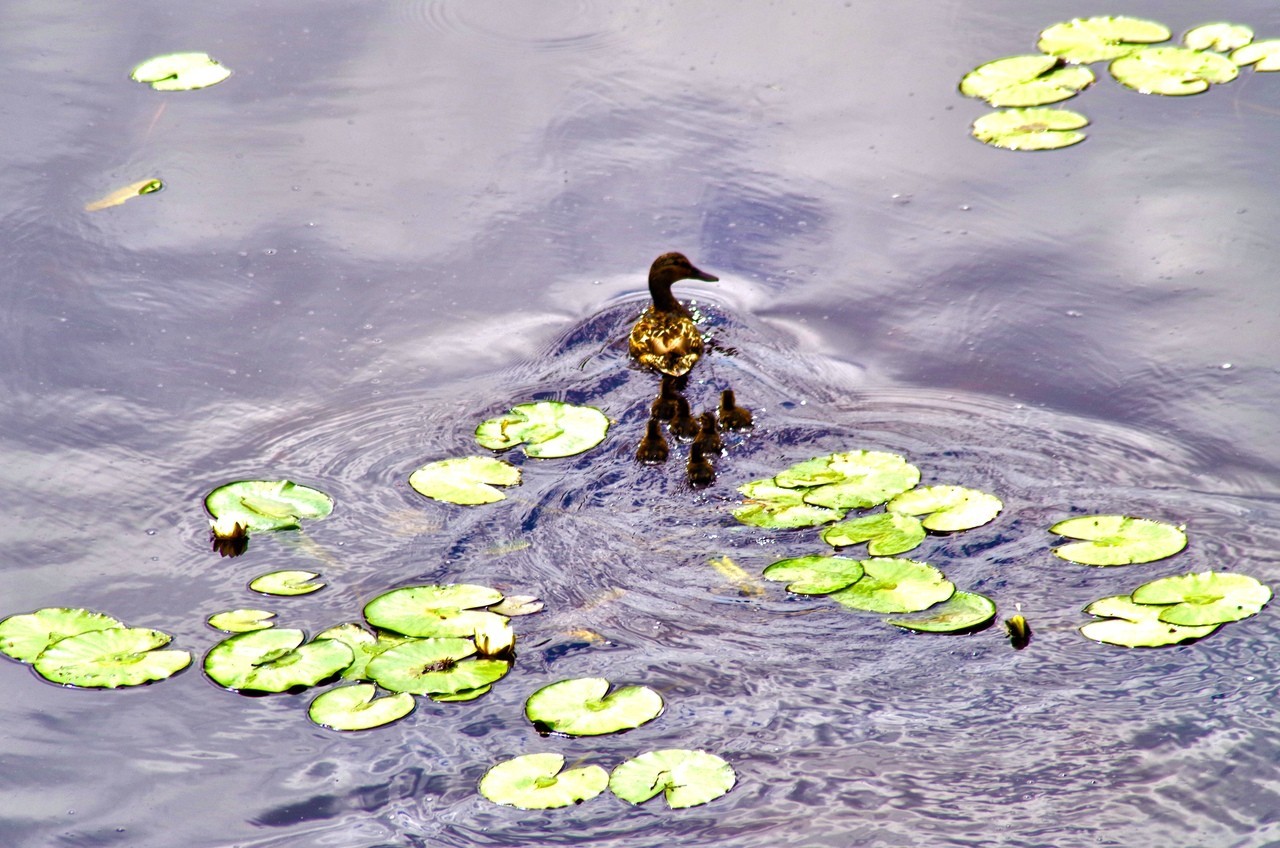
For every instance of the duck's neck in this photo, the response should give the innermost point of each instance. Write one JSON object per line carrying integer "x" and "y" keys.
{"x": 663, "y": 299}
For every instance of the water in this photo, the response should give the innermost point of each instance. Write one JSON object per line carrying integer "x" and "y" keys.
{"x": 396, "y": 220}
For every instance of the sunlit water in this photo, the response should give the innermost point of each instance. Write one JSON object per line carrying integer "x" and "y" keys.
{"x": 394, "y": 222}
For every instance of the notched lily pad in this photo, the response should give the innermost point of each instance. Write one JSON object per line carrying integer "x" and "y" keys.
{"x": 180, "y": 72}
{"x": 451, "y": 610}
{"x": 1172, "y": 71}
{"x": 241, "y": 620}
{"x": 537, "y": 782}
{"x": 267, "y": 504}
{"x": 1030, "y": 129}
{"x": 896, "y": 585}
{"x": 1204, "y": 598}
{"x": 356, "y": 707}
{"x": 274, "y": 660}
{"x": 107, "y": 659}
{"x": 887, "y": 533}
{"x": 434, "y": 666}
{"x": 287, "y": 583}
{"x": 25, "y": 635}
{"x": 1085, "y": 40}
{"x": 1117, "y": 540}
{"x": 1132, "y": 625}
{"x": 1222, "y": 37}
{"x": 1025, "y": 81}
{"x": 962, "y": 612}
{"x": 948, "y": 508}
{"x": 815, "y": 575}
{"x": 466, "y": 480}
{"x": 1263, "y": 55}
{"x": 686, "y": 778}
{"x": 779, "y": 508}
{"x": 585, "y": 707}
{"x": 857, "y": 479}
{"x": 548, "y": 429}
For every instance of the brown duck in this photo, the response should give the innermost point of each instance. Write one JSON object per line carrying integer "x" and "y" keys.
{"x": 665, "y": 338}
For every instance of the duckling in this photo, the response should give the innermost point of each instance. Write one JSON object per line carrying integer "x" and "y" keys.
{"x": 653, "y": 447}
{"x": 664, "y": 405}
{"x": 665, "y": 338}
{"x": 682, "y": 425}
{"x": 701, "y": 471}
{"x": 732, "y": 416}
{"x": 708, "y": 438}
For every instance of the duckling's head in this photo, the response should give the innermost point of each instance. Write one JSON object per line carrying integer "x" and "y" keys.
{"x": 671, "y": 267}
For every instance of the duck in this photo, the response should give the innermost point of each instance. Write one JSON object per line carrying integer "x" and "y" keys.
{"x": 708, "y": 437}
{"x": 665, "y": 404}
{"x": 665, "y": 337}
{"x": 653, "y": 447}
{"x": 732, "y": 416}
{"x": 683, "y": 425}
{"x": 701, "y": 471}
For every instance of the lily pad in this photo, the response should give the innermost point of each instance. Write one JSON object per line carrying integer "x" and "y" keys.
{"x": 963, "y": 611}
{"x": 287, "y": 583}
{"x": 1086, "y": 40}
{"x": 815, "y": 575}
{"x": 537, "y": 782}
{"x": 1263, "y": 55}
{"x": 274, "y": 660}
{"x": 241, "y": 620}
{"x": 581, "y": 707}
{"x": 451, "y": 610}
{"x": 686, "y": 778}
{"x": 121, "y": 195}
{"x": 464, "y": 695}
{"x": 778, "y": 508}
{"x": 1204, "y": 598}
{"x": 1172, "y": 71}
{"x": 896, "y": 585}
{"x": 109, "y": 658}
{"x": 949, "y": 508}
{"x": 267, "y": 504}
{"x": 1221, "y": 37}
{"x": 24, "y": 636}
{"x": 1117, "y": 540}
{"x": 1025, "y": 81}
{"x": 364, "y": 646}
{"x": 466, "y": 480}
{"x": 355, "y": 707}
{"x": 514, "y": 605}
{"x": 180, "y": 72}
{"x": 857, "y": 479}
{"x": 886, "y": 533}
{"x": 548, "y": 429}
{"x": 1030, "y": 129}
{"x": 435, "y": 666}
{"x": 1132, "y": 625}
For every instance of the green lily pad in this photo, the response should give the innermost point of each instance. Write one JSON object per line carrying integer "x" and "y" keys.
{"x": 815, "y": 575}
{"x": 287, "y": 583}
{"x": 777, "y": 508}
{"x": 1086, "y": 40}
{"x": 548, "y": 429}
{"x": 180, "y": 72}
{"x": 1117, "y": 540}
{"x": 1025, "y": 81}
{"x": 25, "y": 635}
{"x": 451, "y": 610}
{"x": 1263, "y": 55}
{"x": 274, "y": 660}
{"x": 1204, "y": 598}
{"x": 514, "y": 605}
{"x": 267, "y": 504}
{"x": 355, "y": 707}
{"x": 435, "y": 666}
{"x": 464, "y": 695}
{"x": 581, "y": 707}
{"x": 1133, "y": 625}
{"x": 537, "y": 782}
{"x": 364, "y": 646}
{"x": 961, "y": 612}
{"x": 1172, "y": 71}
{"x": 896, "y": 585}
{"x": 109, "y": 658}
{"x": 887, "y": 533}
{"x": 1030, "y": 129}
{"x": 241, "y": 620}
{"x": 1221, "y": 37}
{"x": 466, "y": 480}
{"x": 949, "y": 508}
{"x": 686, "y": 778}
{"x": 850, "y": 480}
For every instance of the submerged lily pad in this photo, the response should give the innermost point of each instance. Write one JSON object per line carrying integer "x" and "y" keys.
{"x": 1025, "y": 81}
{"x": 1086, "y": 40}
{"x": 962, "y": 611}
{"x": 1117, "y": 540}
{"x": 466, "y": 480}
{"x": 452, "y": 610}
{"x": 548, "y": 429}
{"x": 896, "y": 585}
{"x": 815, "y": 575}
{"x": 180, "y": 72}
{"x": 857, "y": 479}
{"x": 585, "y": 707}
{"x": 949, "y": 508}
{"x": 1030, "y": 129}
{"x": 1132, "y": 625}
{"x": 287, "y": 583}
{"x": 514, "y": 605}
{"x": 267, "y": 504}
{"x": 537, "y": 782}
{"x": 686, "y": 778}
{"x": 1221, "y": 37}
{"x": 355, "y": 707}
{"x": 434, "y": 666}
{"x": 887, "y": 533}
{"x": 1172, "y": 71}
{"x": 109, "y": 658}
{"x": 25, "y": 635}
{"x": 1263, "y": 55}
{"x": 274, "y": 660}
{"x": 241, "y": 620}
{"x": 1204, "y": 598}
{"x": 778, "y": 508}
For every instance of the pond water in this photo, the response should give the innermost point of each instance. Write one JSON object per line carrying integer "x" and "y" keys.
{"x": 398, "y": 219}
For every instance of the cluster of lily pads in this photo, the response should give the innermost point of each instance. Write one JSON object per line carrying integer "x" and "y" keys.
{"x": 547, "y": 429}
{"x": 1019, "y": 85}
{"x": 586, "y": 707}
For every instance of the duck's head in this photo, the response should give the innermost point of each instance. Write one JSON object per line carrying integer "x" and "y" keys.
{"x": 671, "y": 267}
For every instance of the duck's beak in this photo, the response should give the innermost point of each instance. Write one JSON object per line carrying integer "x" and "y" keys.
{"x": 702, "y": 275}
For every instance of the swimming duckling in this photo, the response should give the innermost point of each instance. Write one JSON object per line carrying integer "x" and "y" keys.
{"x": 664, "y": 405}
{"x": 701, "y": 471}
{"x": 653, "y": 447}
{"x": 708, "y": 438}
{"x": 682, "y": 425}
{"x": 665, "y": 338}
{"x": 732, "y": 416}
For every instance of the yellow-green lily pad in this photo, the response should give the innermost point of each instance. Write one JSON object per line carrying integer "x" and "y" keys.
{"x": 267, "y": 504}
{"x": 541, "y": 782}
{"x": 450, "y": 610}
{"x": 1263, "y": 55}
{"x": 585, "y": 707}
{"x": 109, "y": 658}
{"x": 779, "y": 508}
{"x": 1172, "y": 71}
{"x": 1085, "y": 40}
{"x": 962, "y": 612}
{"x": 1204, "y": 598}
{"x": 1117, "y": 540}
{"x": 181, "y": 72}
{"x": 364, "y": 646}
{"x": 356, "y": 707}
{"x": 948, "y": 508}
{"x": 25, "y": 635}
{"x": 1022, "y": 81}
{"x": 287, "y": 583}
{"x": 886, "y": 533}
{"x": 1222, "y": 37}
{"x": 896, "y": 585}
{"x": 434, "y": 666}
{"x": 547, "y": 429}
{"x": 815, "y": 575}
{"x": 685, "y": 778}
{"x": 274, "y": 660}
{"x": 1030, "y": 129}
{"x": 1132, "y": 625}
{"x": 241, "y": 620}
{"x": 857, "y": 479}
{"x": 466, "y": 480}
